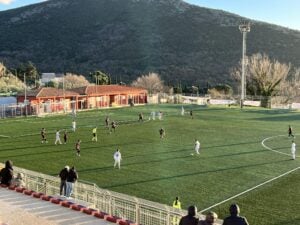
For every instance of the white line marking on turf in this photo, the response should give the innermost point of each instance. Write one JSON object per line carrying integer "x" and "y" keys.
{"x": 4, "y": 136}
{"x": 266, "y": 147}
{"x": 250, "y": 189}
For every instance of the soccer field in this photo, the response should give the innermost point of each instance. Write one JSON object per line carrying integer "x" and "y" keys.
{"x": 239, "y": 150}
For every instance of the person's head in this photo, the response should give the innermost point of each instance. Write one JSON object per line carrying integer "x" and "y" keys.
{"x": 176, "y": 200}
{"x": 67, "y": 168}
{"x": 79, "y": 141}
{"x": 192, "y": 211}
{"x": 8, "y": 164}
{"x": 20, "y": 176}
{"x": 73, "y": 168}
{"x": 293, "y": 141}
{"x": 211, "y": 217}
{"x": 234, "y": 210}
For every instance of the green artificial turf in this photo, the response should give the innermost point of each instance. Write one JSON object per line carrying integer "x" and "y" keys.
{"x": 232, "y": 158}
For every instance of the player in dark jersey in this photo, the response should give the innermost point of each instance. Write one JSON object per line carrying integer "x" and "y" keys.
{"x": 113, "y": 126}
{"x": 77, "y": 147}
{"x": 107, "y": 122}
{"x": 191, "y": 114}
{"x": 65, "y": 137}
{"x": 162, "y": 133}
{"x": 43, "y": 134}
{"x": 290, "y": 131}
{"x": 141, "y": 117}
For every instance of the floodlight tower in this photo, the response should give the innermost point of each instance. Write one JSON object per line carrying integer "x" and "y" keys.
{"x": 244, "y": 28}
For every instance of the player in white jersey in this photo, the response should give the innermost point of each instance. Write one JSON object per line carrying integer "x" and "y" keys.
{"x": 117, "y": 158}
{"x": 57, "y": 137}
{"x": 197, "y": 146}
{"x": 293, "y": 150}
{"x": 74, "y": 125}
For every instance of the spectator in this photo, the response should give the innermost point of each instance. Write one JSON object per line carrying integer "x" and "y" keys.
{"x": 234, "y": 218}
{"x": 63, "y": 180}
{"x": 190, "y": 219}
{"x": 6, "y": 174}
{"x": 210, "y": 219}
{"x": 176, "y": 205}
{"x": 18, "y": 181}
{"x": 71, "y": 179}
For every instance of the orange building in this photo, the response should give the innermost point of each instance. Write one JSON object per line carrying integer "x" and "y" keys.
{"x": 48, "y": 100}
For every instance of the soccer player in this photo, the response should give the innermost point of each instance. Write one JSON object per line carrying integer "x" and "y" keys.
{"x": 141, "y": 117}
{"x": 74, "y": 125}
{"x": 290, "y": 131}
{"x": 77, "y": 147}
{"x": 160, "y": 115}
{"x": 43, "y": 134}
{"x": 57, "y": 137}
{"x": 65, "y": 137}
{"x": 113, "y": 126}
{"x": 197, "y": 146}
{"x": 191, "y": 114}
{"x": 107, "y": 122}
{"x": 293, "y": 150}
{"x": 117, "y": 158}
{"x": 182, "y": 111}
{"x": 94, "y": 134}
{"x": 162, "y": 133}
{"x": 176, "y": 205}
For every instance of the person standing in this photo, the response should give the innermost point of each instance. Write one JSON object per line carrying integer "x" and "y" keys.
{"x": 293, "y": 150}
{"x": 117, "y": 158}
{"x": 107, "y": 122}
{"x": 71, "y": 179}
{"x": 77, "y": 147}
{"x": 57, "y": 137}
{"x": 161, "y": 133}
{"x": 176, "y": 205}
{"x": 191, "y": 114}
{"x": 141, "y": 117}
{"x": 6, "y": 174}
{"x": 94, "y": 138}
{"x": 182, "y": 111}
{"x": 234, "y": 218}
{"x": 113, "y": 126}
{"x": 290, "y": 131}
{"x": 43, "y": 134}
{"x": 65, "y": 137}
{"x": 190, "y": 218}
{"x": 74, "y": 125}
{"x": 63, "y": 180}
{"x": 197, "y": 146}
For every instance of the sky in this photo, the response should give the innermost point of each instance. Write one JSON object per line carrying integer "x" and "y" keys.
{"x": 281, "y": 12}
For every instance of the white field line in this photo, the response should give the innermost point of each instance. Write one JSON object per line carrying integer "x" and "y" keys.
{"x": 4, "y": 136}
{"x": 250, "y": 189}
{"x": 268, "y": 148}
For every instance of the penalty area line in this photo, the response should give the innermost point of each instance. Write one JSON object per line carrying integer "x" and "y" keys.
{"x": 250, "y": 189}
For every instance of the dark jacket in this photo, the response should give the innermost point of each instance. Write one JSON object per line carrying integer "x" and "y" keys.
{"x": 235, "y": 220}
{"x": 6, "y": 174}
{"x": 64, "y": 174}
{"x": 188, "y": 220}
{"x": 72, "y": 176}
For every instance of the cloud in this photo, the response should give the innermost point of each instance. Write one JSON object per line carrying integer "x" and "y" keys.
{"x": 6, "y": 2}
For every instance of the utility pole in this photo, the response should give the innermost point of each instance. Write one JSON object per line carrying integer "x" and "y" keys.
{"x": 244, "y": 28}
{"x": 25, "y": 96}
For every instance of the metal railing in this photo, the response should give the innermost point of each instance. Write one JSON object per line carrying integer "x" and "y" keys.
{"x": 127, "y": 207}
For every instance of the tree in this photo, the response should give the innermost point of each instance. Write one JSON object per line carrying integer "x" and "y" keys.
{"x": 8, "y": 82}
{"x": 30, "y": 71}
{"x": 151, "y": 82}
{"x": 290, "y": 88}
{"x": 263, "y": 76}
{"x": 74, "y": 81}
{"x": 100, "y": 78}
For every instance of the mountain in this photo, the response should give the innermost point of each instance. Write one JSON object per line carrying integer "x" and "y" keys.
{"x": 126, "y": 38}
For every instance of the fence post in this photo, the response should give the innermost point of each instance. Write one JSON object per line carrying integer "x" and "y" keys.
{"x": 137, "y": 211}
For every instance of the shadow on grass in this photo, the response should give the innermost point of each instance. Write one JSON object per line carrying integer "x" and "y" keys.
{"x": 192, "y": 174}
{"x": 280, "y": 118}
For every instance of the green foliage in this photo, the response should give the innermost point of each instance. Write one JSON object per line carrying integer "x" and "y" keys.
{"x": 52, "y": 84}
{"x": 30, "y": 71}
{"x": 100, "y": 78}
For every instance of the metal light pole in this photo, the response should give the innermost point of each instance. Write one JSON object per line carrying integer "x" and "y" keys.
{"x": 25, "y": 96}
{"x": 244, "y": 28}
